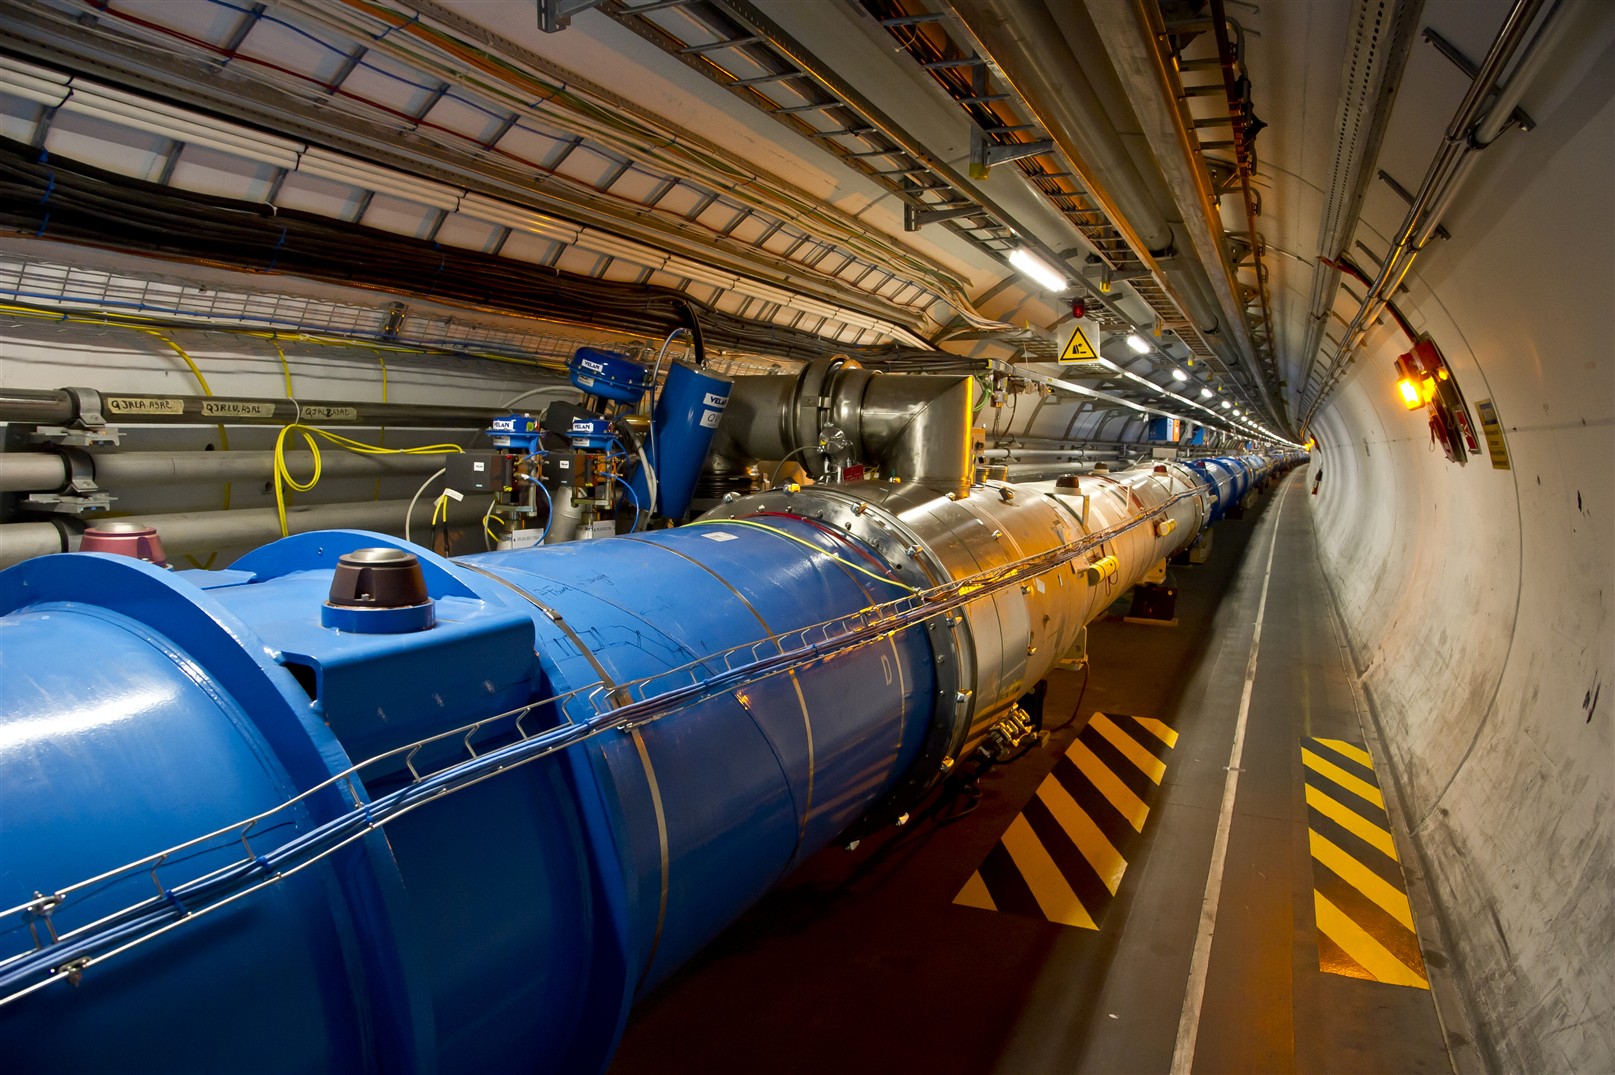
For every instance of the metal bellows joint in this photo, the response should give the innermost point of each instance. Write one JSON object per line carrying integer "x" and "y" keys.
{"x": 835, "y": 412}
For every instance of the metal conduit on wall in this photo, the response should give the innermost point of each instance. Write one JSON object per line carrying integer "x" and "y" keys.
{"x": 750, "y": 686}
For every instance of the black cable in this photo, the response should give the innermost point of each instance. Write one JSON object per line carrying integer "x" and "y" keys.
{"x": 695, "y": 332}
{"x": 61, "y": 199}
{"x": 1076, "y": 709}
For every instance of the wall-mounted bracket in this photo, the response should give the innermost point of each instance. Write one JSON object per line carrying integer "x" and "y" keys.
{"x": 1402, "y": 192}
{"x": 984, "y": 152}
{"x": 1463, "y": 63}
{"x": 916, "y": 217}
{"x": 556, "y": 15}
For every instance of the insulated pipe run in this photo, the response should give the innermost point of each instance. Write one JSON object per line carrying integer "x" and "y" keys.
{"x": 43, "y": 472}
{"x": 203, "y": 531}
{"x": 1044, "y": 453}
{"x": 1026, "y": 43}
{"x": 64, "y": 406}
{"x": 1131, "y": 34}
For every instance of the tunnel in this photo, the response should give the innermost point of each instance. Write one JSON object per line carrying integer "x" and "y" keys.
{"x": 729, "y": 535}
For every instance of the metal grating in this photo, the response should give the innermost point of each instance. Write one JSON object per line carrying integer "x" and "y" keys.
{"x": 125, "y": 299}
{"x": 525, "y": 120}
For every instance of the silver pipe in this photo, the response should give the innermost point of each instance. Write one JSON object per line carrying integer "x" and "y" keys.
{"x": 24, "y": 541}
{"x": 32, "y": 472}
{"x": 1559, "y": 24}
{"x": 919, "y": 427}
{"x": 1491, "y": 69}
{"x": 38, "y": 472}
{"x": 196, "y": 532}
{"x": 1042, "y": 453}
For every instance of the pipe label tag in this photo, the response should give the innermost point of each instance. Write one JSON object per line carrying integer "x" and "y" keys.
{"x": 229, "y": 408}
{"x": 143, "y": 405}
{"x": 331, "y": 414}
{"x": 711, "y": 400}
{"x": 719, "y": 537}
{"x": 709, "y": 419}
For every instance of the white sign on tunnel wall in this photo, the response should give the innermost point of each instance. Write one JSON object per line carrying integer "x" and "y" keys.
{"x": 1492, "y": 427}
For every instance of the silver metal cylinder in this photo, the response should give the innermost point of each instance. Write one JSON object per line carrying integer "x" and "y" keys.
{"x": 915, "y": 427}
{"x": 994, "y": 649}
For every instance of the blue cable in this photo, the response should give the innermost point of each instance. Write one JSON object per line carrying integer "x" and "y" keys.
{"x": 632, "y": 495}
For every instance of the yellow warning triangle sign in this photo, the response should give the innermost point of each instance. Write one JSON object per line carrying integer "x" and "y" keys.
{"x": 1077, "y": 348}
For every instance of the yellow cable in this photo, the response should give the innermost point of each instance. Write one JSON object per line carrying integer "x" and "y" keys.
{"x": 792, "y": 537}
{"x": 180, "y": 351}
{"x": 284, "y": 368}
{"x": 132, "y": 321}
{"x": 224, "y": 434}
{"x": 283, "y": 474}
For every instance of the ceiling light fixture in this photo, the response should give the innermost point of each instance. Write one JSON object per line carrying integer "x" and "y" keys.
{"x": 1136, "y": 342}
{"x": 1030, "y": 265}
{"x": 1206, "y": 393}
{"x": 1179, "y": 375}
{"x": 1226, "y": 405}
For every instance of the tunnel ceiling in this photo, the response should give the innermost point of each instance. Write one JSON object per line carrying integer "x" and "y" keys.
{"x": 857, "y": 173}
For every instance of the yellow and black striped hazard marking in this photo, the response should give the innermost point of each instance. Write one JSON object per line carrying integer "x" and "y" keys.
{"x": 1064, "y": 854}
{"x": 1365, "y": 924}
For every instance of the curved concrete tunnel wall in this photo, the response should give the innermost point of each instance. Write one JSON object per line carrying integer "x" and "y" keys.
{"x": 1478, "y": 601}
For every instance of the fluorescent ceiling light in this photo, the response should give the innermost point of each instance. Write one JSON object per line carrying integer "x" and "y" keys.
{"x": 1136, "y": 342}
{"x": 1179, "y": 375}
{"x": 1206, "y": 393}
{"x": 1029, "y": 264}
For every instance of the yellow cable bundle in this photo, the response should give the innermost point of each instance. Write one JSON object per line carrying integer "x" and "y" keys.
{"x": 284, "y": 478}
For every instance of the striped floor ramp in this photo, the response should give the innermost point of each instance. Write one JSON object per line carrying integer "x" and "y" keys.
{"x": 1365, "y": 924}
{"x": 1064, "y": 855}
